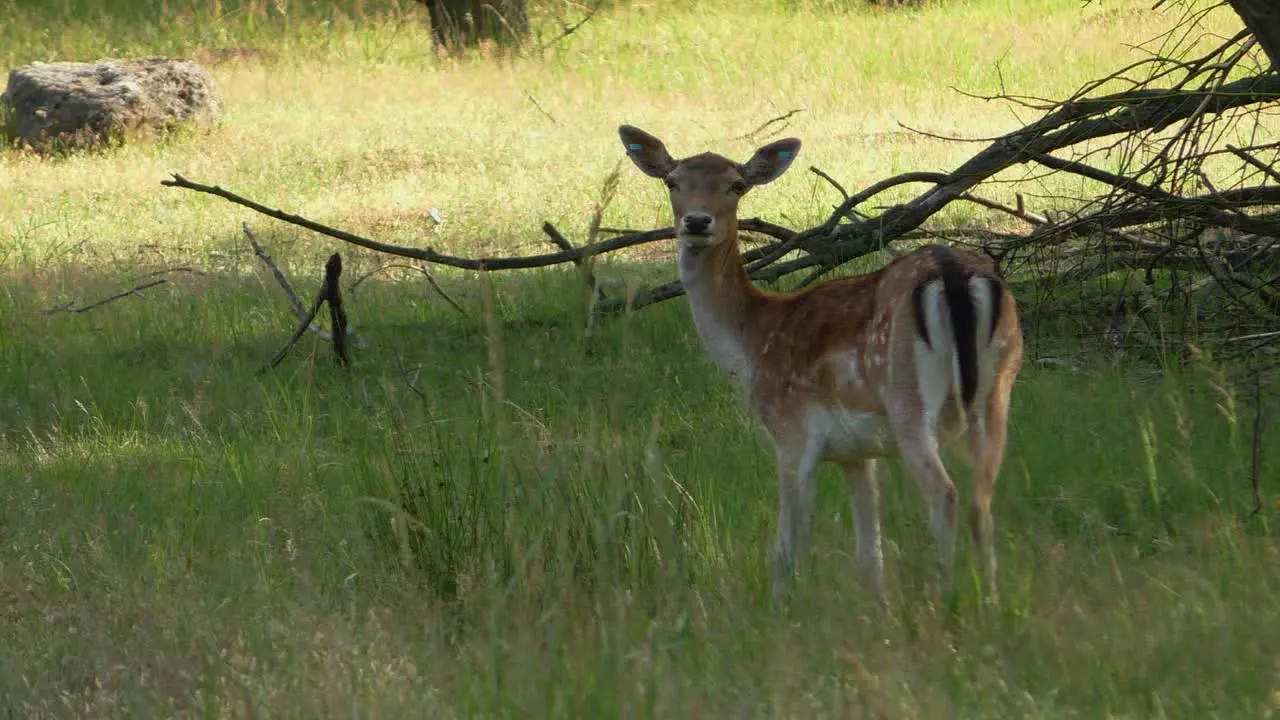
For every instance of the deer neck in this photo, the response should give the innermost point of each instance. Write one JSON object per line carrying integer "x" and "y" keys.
{"x": 724, "y": 304}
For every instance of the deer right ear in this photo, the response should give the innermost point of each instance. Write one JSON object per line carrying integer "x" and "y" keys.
{"x": 647, "y": 152}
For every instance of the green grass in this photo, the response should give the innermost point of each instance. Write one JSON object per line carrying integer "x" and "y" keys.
{"x": 525, "y": 512}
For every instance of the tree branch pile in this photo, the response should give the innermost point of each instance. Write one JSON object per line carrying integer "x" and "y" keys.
{"x": 1179, "y": 151}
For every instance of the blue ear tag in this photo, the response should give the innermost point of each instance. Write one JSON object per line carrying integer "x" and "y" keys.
{"x": 784, "y": 154}
{"x": 635, "y": 146}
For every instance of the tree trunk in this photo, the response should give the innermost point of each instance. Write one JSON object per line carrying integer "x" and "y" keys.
{"x": 1262, "y": 17}
{"x": 464, "y": 23}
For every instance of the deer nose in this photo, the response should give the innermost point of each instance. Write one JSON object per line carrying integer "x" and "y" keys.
{"x": 697, "y": 223}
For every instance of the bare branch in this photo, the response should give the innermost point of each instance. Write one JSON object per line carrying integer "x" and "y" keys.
{"x": 839, "y": 188}
{"x": 480, "y": 264}
{"x": 568, "y": 30}
{"x": 299, "y": 310}
{"x": 135, "y": 290}
{"x": 541, "y": 109}
{"x": 331, "y": 293}
{"x": 783, "y": 118}
{"x": 435, "y": 285}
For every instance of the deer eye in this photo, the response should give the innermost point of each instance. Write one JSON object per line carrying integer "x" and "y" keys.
{"x": 738, "y": 188}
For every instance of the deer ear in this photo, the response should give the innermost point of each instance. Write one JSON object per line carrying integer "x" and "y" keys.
{"x": 770, "y": 161}
{"x": 647, "y": 152}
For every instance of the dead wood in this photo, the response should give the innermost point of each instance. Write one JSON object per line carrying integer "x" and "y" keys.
{"x": 136, "y": 290}
{"x": 330, "y": 292}
{"x": 463, "y": 263}
{"x": 431, "y": 279}
{"x": 1160, "y": 211}
{"x": 337, "y": 313}
{"x": 295, "y": 302}
{"x": 1262, "y": 17}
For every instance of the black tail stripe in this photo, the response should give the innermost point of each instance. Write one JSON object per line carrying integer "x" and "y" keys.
{"x": 918, "y": 310}
{"x": 964, "y": 320}
{"x": 964, "y": 324}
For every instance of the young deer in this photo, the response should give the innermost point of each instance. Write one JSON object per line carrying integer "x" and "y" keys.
{"x": 900, "y": 361}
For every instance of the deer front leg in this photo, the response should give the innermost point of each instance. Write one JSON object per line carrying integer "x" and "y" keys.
{"x": 796, "y": 469}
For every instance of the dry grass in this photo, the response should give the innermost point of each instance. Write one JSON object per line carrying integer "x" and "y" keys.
{"x": 361, "y": 131}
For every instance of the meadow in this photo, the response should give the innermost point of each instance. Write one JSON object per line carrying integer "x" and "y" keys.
{"x": 520, "y": 509}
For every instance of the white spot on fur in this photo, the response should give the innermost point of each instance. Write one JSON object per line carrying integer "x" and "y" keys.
{"x": 855, "y": 369}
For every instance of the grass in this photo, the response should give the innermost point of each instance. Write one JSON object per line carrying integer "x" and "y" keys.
{"x": 522, "y": 511}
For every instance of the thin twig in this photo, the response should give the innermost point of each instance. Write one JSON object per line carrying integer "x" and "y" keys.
{"x": 839, "y": 188}
{"x": 135, "y": 290}
{"x": 1256, "y": 470}
{"x": 1264, "y": 167}
{"x": 419, "y": 268}
{"x": 768, "y": 123}
{"x": 541, "y": 109}
{"x": 1254, "y": 336}
{"x": 568, "y": 30}
{"x": 478, "y": 264}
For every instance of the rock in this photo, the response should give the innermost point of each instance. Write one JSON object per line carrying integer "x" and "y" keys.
{"x": 71, "y": 104}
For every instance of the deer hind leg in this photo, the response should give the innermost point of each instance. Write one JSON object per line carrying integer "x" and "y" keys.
{"x": 796, "y": 471}
{"x": 988, "y": 432}
{"x": 864, "y": 498}
{"x": 918, "y": 444}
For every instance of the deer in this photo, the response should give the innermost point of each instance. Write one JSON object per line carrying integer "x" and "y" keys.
{"x": 852, "y": 370}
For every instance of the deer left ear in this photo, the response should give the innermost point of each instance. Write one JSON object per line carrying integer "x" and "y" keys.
{"x": 770, "y": 161}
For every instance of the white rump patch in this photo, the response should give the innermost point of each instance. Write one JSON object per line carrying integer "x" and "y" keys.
{"x": 983, "y": 300}
{"x": 937, "y": 366}
{"x": 980, "y": 291}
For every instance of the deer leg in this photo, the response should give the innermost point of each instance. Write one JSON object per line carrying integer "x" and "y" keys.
{"x": 988, "y": 433}
{"x": 864, "y": 500}
{"x": 918, "y": 444}
{"x": 796, "y": 470}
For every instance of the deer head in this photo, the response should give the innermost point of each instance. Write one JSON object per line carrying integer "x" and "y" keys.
{"x": 705, "y": 189}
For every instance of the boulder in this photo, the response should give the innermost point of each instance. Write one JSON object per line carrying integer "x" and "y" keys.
{"x": 71, "y": 104}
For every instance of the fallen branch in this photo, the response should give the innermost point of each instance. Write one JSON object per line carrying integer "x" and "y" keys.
{"x": 462, "y": 263}
{"x": 846, "y": 234}
{"x": 1143, "y": 110}
{"x": 135, "y": 290}
{"x": 337, "y": 313}
{"x": 783, "y": 118}
{"x": 329, "y": 292}
{"x": 299, "y": 310}
{"x": 425, "y": 272}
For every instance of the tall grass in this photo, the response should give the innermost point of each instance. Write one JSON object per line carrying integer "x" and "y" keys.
{"x": 522, "y": 511}
{"x": 180, "y": 535}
